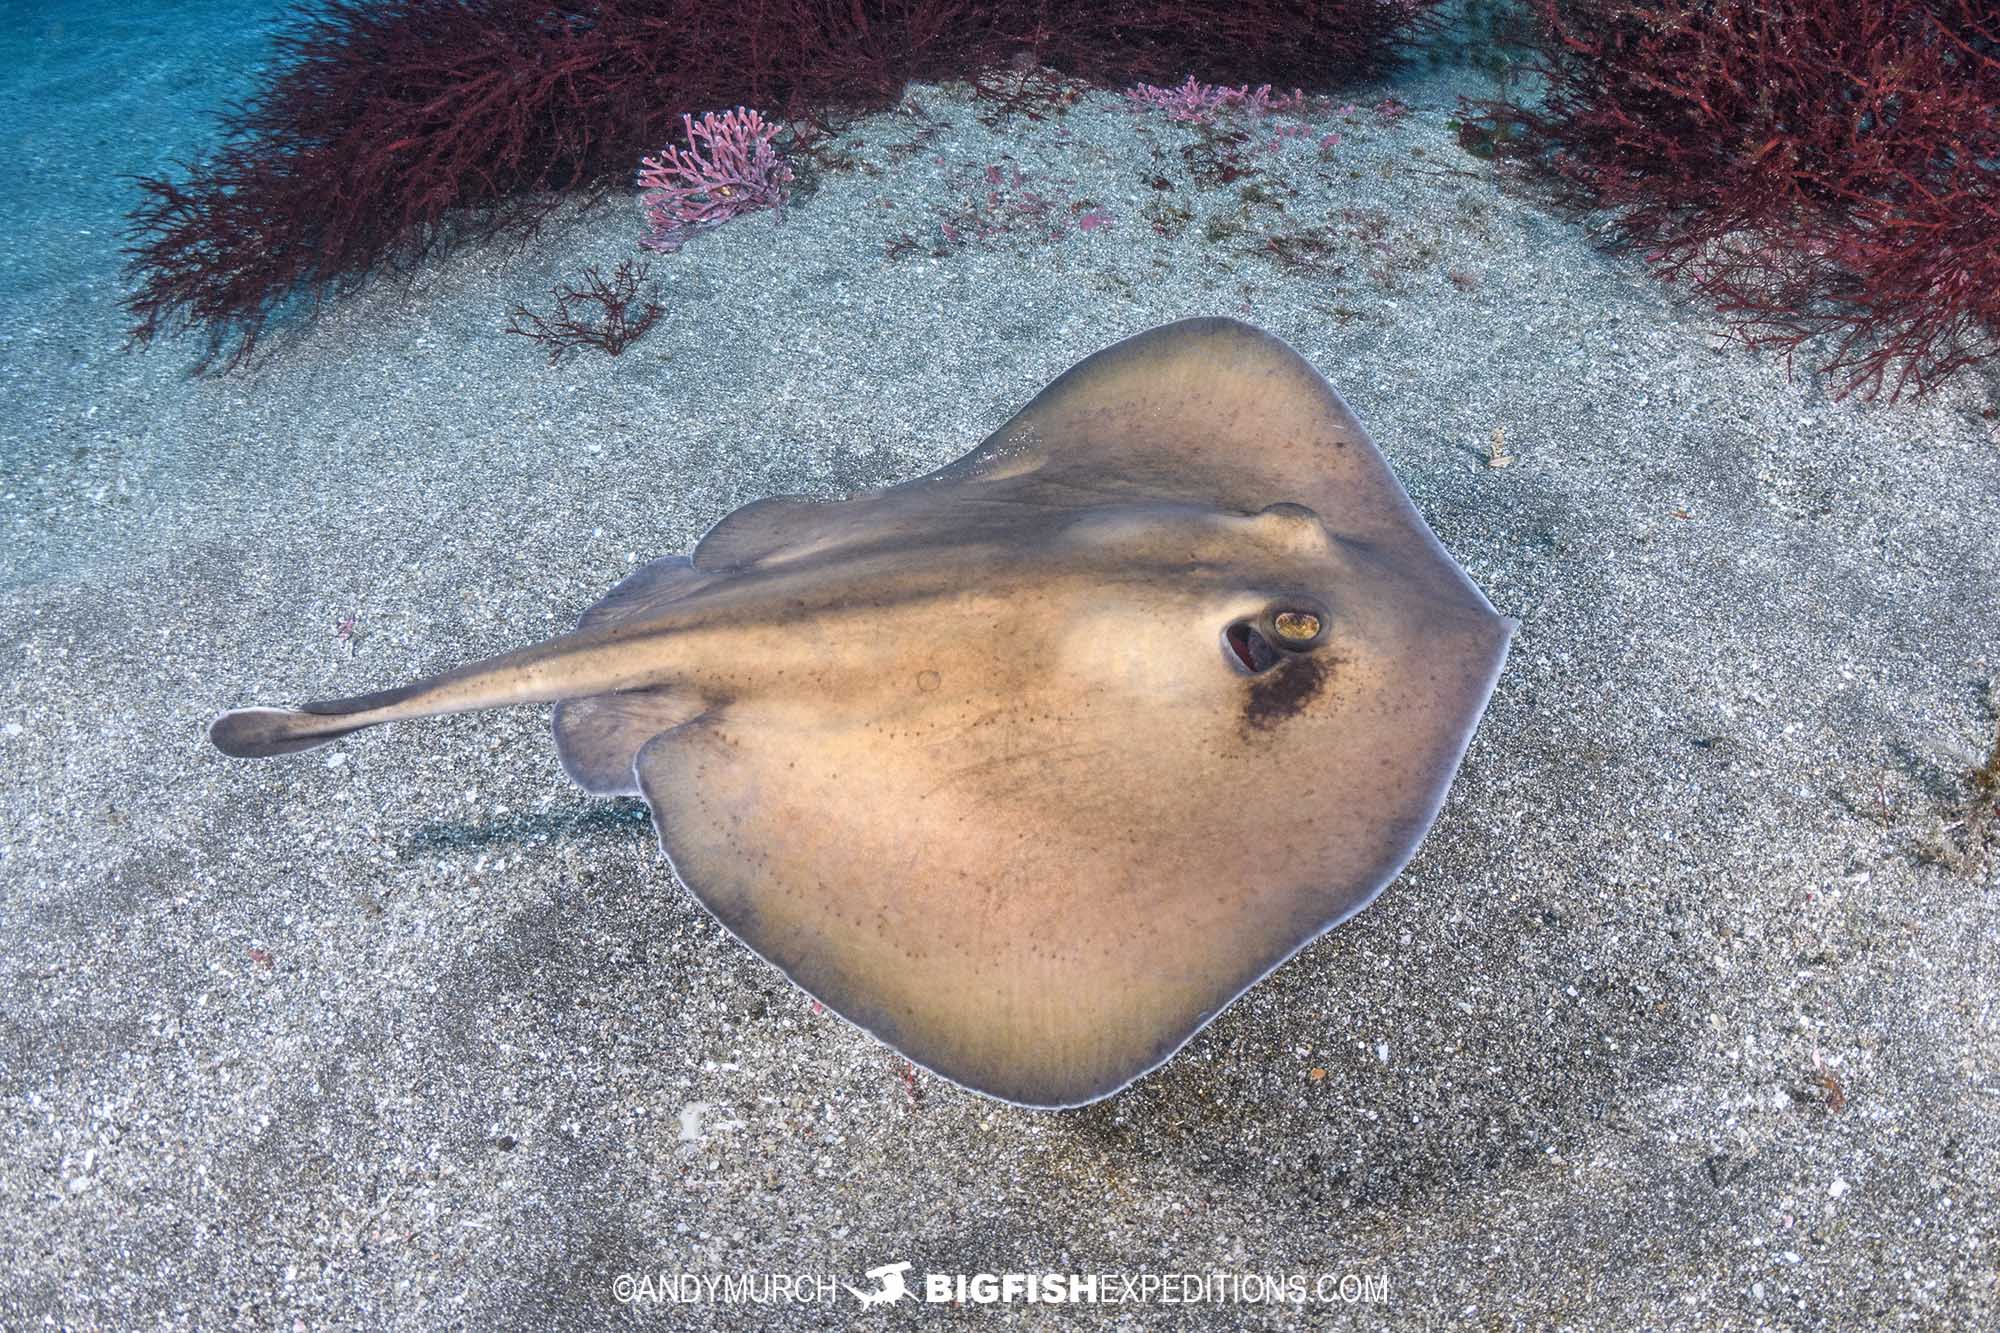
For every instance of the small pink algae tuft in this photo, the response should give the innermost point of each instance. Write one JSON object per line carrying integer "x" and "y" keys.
{"x": 1193, "y": 101}
{"x": 728, "y": 168}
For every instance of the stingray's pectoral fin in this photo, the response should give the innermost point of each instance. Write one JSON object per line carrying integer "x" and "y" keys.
{"x": 599, "y": 737}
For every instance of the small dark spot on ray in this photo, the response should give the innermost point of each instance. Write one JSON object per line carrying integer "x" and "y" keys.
{"x": 1283, "y": 693}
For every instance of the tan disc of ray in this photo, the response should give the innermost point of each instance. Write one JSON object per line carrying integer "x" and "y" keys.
{"x": 1038, "y": 863}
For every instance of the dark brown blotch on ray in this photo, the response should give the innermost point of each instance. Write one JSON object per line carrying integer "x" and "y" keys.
{"x": 1286, "y": 690}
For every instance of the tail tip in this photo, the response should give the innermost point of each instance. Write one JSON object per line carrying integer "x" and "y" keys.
{"x": 259, "y": 733}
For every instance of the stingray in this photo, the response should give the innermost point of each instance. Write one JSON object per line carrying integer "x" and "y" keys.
{"x": 1032, "y": 765}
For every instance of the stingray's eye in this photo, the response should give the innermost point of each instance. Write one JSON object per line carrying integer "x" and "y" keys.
{"x": 1285, "y": 630}
{"x": 1298, "y": 624}
{"x": 1296, "y": 627}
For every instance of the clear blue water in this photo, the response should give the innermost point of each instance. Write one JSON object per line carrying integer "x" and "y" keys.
{"x": 92, "y": 96}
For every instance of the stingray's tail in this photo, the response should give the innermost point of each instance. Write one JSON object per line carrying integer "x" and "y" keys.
{"x": 571, "y": 666}
{"x": 260, "y": 733}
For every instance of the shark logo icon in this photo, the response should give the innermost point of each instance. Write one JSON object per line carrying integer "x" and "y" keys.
{"x": 891, "y": 1290}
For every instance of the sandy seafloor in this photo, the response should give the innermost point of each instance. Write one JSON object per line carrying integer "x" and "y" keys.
{"x": 407, "y": 1032}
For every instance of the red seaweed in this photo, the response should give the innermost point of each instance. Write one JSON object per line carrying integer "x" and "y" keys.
{"x": 1818, "y": 169}
{"x": 621, "y": 318}
{"x": 390, "y": 129}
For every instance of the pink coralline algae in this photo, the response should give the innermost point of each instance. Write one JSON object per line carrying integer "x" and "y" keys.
{"x": 741, "y": 173}
{"x": 1199, "y": 101}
